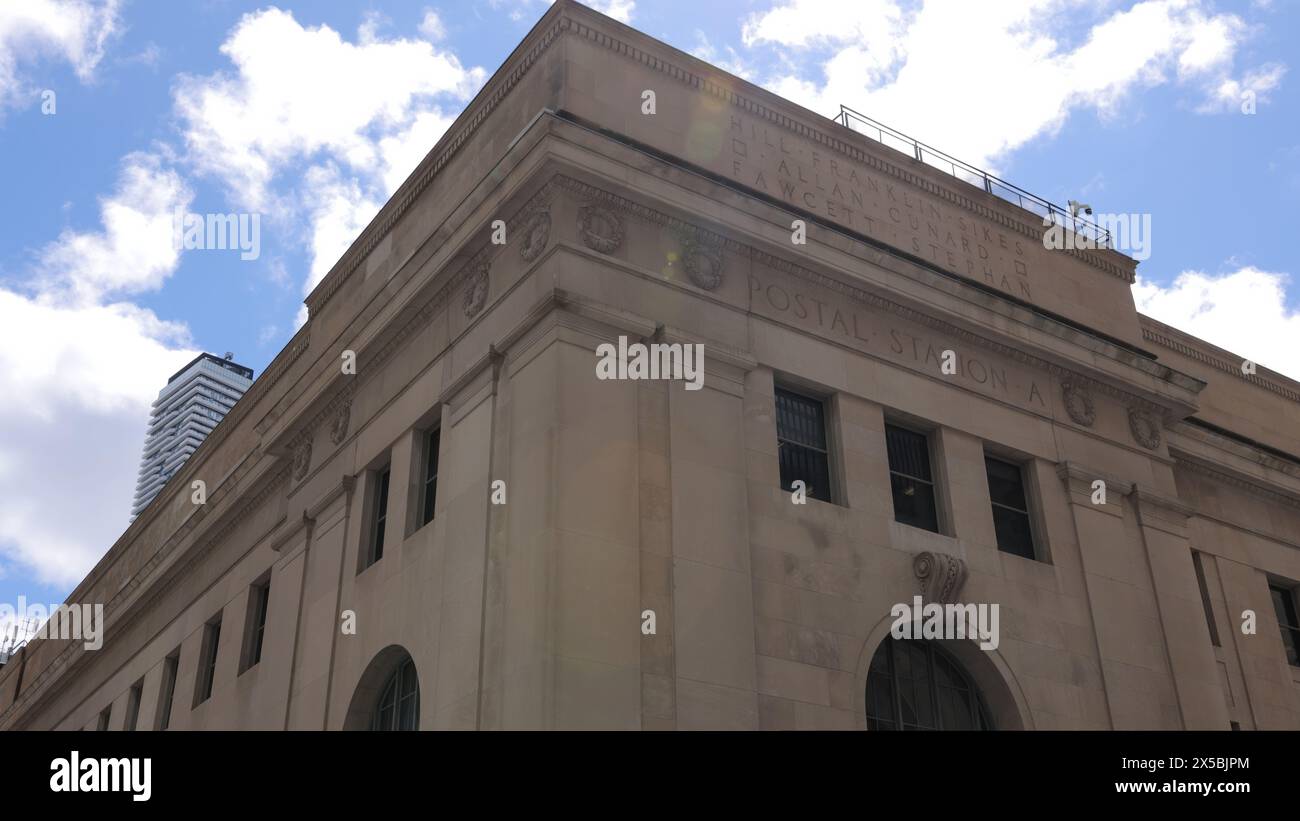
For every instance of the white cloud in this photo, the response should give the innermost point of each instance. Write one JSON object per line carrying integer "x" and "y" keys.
{"x": 1232, "y": 95}
{"x": 300, "y": 93}
{"x": 732, "y": 63}
{"x": 431, "y": 26}
{"x": 316, "y": 130}
{"x": 136, "y": 250}
{"x": 80, "y": 373}
{"x": 620, "y": 10}
{"x": 73, "y": 30}
{"x": 1243, "y": 312}
{"x": 78, "y": 385}
{"x": 402, "y": 151}
{"x": 339, "y": 212}
{"x": 982, "y": 79}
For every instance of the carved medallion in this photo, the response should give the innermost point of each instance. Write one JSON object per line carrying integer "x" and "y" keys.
{"x": 600, "y": 228}
{"x": 702, "y": 260}
{"x": 1078, "y": 403}
{"x": 339, "y": 426}
{"x": 1145, "y": 428}
{"x": 537, "y": 232}
{"x": 302, "y": 458}
{"x": 941, "y": 576}
{"x": 476, "y": 290}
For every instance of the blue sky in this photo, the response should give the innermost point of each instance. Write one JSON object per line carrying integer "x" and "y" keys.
{"x": 309, "y": 114}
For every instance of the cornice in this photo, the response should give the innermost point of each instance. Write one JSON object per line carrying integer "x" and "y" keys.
{"x": 182, "y": 478}
{"x": 1218, "y": 472}
{"x": 565, "y": 22}
{"x": 1172, "y": 339}
{"x": 428, "y": 169}
{"x": 343, "y": 387}
{"x": 1235, "y": 448}
{"x": 728, "y": 93}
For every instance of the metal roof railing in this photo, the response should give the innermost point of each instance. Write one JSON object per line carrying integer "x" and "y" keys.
{"x": 967, "y": 173}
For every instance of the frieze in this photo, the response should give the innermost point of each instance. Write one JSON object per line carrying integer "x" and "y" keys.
{"x": 702, "y": 258}
{"x": 476, "y": 289}
{"x": 301, "y": 458}
{"x": 624, "y": 205}
{"x": 536, "y": 231}
{"x": 1144, "y": 427}
{"x": 339, "y": 425}
{"x": 600, "y": 228}
{"x": 1078, "y": 404}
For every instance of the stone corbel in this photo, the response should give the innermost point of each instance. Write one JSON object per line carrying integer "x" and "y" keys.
{"x": 940, "y": 575}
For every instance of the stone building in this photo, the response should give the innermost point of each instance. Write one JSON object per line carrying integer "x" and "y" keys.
{"x": 431, "y": 511}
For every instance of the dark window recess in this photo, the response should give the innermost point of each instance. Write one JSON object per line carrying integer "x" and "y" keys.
{"x": 399, "y": 702}
{"x": 381, "y": 517}
{"x": 1197, "y": 565}
{"x": 1284, "y": 606}
{"x": 801, "y": 444}
{"x": 914, "y": 685}
{"x": 208, "y": 662}
{"x": 133, "y": 705}
{"x": 170, "y": 665}
{"x": 431, "y": 442}
{"x": 1010, "y": 507}
{"x": 104, "y": 716}
{"x": 910, "y": 478}
{"x": 259, "y": 600}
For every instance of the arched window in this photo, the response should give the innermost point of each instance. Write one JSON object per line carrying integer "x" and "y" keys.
{"x": 398, "y": 707}
{"x": 915, "y": 685}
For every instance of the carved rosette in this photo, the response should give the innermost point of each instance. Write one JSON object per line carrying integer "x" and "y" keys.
{"x": 1145, "y": 428}
{"x": 1078, "y": 404}
{"x": 702, "y": 259}
{"x": 941, "y": 576}
{"x": 601, "y": 229}
{"x": 302, "y": 458}
{"x": 537, "y": 232}
{"x": 339, "y": 424}
{"x": 476, "y": 290}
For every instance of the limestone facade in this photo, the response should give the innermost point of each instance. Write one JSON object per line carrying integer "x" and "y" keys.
{"x": 622, "y": 496}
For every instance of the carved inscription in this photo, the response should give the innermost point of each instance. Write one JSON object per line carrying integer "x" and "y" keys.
{"x": 881, "y": 334}
{"x": 830, "y": 186}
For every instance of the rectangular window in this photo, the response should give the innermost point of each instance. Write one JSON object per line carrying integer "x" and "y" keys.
{"x": 432, "y": 440}
{"x": 375, "y": 550}
{"x": 911, "y": 478}
{"x": 801, "y": 444}
{"x": 133, "y": 705}
{"x": 207, "y": 661}
{"x": 1284, "y": 605}
{"x": 1205, "y": 597}
{"x": 104, "y": 716}
{"x": 1010, "y": 507}
{"x": 168, "y": 690}
{"x": 259, "y": 596}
